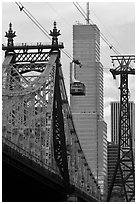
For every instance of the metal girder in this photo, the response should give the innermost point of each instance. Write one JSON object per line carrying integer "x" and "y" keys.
{"x": 123, "y": 68}
{"x": 27, "y": 115}
{"x": 27, "y": 67}
{"x": 32, "y": 57}
{"x": 59, "y": 141}
{"x": 125, "y": 160}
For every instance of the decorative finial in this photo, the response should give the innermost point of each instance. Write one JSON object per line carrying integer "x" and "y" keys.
{"x": 55, "y": 35}
{"x": 10, "y": 26}
{"x": 55, "y": 24}
{"x": 10, "y": 35}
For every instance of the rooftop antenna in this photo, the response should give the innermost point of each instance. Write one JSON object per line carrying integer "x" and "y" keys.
{"x": 87, "y": 19}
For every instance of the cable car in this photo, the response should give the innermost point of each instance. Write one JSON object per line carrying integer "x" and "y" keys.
{"x": 77, "y": 89}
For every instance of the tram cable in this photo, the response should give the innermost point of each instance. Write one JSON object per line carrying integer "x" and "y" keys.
{"x": 80, "y": 9}
{"x": 106, "y": 28}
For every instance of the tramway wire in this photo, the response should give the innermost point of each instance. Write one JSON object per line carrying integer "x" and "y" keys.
{"x": 70, "y": 25}
{"x": 110, "y": 46}
{"x": 106, "y": 28}
{"x": 80, "y": 9}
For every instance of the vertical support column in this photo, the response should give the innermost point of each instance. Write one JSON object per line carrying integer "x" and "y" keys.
{"x": 59, "y": 141}
{"x": 125, "y": 184}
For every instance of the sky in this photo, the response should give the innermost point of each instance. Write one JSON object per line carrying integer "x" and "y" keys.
{"x": 116, "y": 21}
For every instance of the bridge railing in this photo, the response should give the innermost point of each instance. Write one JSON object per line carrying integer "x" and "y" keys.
{"x": 34, "y": 44}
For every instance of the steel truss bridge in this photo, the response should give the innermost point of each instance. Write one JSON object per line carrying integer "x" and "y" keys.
{"x": 42, "y": 156}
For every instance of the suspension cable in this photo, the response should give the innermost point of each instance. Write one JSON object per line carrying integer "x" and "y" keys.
{"x": 22, "y": 8}
{"x": 34, "y": 20}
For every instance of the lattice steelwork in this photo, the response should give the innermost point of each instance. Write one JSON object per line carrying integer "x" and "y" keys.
{"x": 37, "y": 120}
{"x": 125, "y": 185}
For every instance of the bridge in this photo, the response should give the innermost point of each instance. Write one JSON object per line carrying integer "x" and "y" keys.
{"x": 41, "y": 153}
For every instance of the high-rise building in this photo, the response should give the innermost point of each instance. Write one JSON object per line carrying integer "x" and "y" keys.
{"x": 112, "y": 160}
{"x": 87, "y": 108}
{"x": 115, "y": 111}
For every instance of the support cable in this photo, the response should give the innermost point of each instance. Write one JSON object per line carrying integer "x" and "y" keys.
{"x": 106, "y": 28}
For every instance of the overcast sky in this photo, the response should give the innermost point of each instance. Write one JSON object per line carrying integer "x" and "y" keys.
{"x": 116, "y": 22}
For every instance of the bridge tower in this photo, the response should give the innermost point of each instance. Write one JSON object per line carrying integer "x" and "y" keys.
{"x": 14, "y": 83}
{"x": 38, "y": 132}
{"x": 125, "y": 183}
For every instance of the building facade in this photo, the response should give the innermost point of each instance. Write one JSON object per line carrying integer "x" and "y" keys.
{"x": 112, "y": 160}
{"x": 87, "y": 110}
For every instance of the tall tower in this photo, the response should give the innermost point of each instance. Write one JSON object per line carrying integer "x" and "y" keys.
{"x": 125, "y": 159}
{"x": 87, "y": 109}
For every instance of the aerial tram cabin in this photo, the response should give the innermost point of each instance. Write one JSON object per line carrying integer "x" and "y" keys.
{"x": 77, "y": 89}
